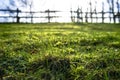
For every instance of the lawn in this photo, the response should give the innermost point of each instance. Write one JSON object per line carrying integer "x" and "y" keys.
{"x": 59, "y": 51}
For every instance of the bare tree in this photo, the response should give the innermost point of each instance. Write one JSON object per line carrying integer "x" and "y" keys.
{"x": 12, "y": 5}
{"x": 111, "y": 8}
{"x": 29, "y": 5}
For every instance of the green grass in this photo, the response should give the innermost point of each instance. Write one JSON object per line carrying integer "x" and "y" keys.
{"x": 59, "y": 51}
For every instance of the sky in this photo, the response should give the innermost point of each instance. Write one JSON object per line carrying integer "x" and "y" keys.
{"x": 60, "y": 5}
{"x": 64, "y": 5}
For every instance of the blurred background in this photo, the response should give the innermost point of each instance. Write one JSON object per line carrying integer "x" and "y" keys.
{"x": 42, "y": 11}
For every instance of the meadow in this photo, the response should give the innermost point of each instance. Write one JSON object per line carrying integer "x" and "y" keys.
{"x": 59, "y": 51}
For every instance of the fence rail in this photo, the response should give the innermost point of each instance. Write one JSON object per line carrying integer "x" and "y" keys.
{"x": 74, "y": 16}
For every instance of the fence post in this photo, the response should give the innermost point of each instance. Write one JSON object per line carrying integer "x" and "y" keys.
{"x": 86, "y": 17}
{"x": 48, "y": 11}
{"x": 103, "y": 12}
{"x": 78, "y": 14}
{"x": 17, "y": 16}
{"x": 110, "y": 16}
{"x": 96, "y": 16}
{"x": 102, "y": 16}
{"x": 72, "y": 17}
{"x": 31, "y": 16}
{"x": 113, "y": 13}
{"x": 91, "y": 13}
{"x": 118, "y": 10}
{"x": 81, "y": 12}
{"x": 96, "y": 12}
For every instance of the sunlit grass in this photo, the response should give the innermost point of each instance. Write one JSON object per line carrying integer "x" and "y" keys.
{"x": 54, "y": 51}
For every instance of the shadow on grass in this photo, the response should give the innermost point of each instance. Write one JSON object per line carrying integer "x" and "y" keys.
{"x": 54, "y": 65}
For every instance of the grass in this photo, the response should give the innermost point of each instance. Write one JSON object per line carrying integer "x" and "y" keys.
{"x": 59, "y": 51}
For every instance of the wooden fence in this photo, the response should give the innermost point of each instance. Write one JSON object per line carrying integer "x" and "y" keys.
{"x": 74, "y": 16}
{"x": 17, "y": 16}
